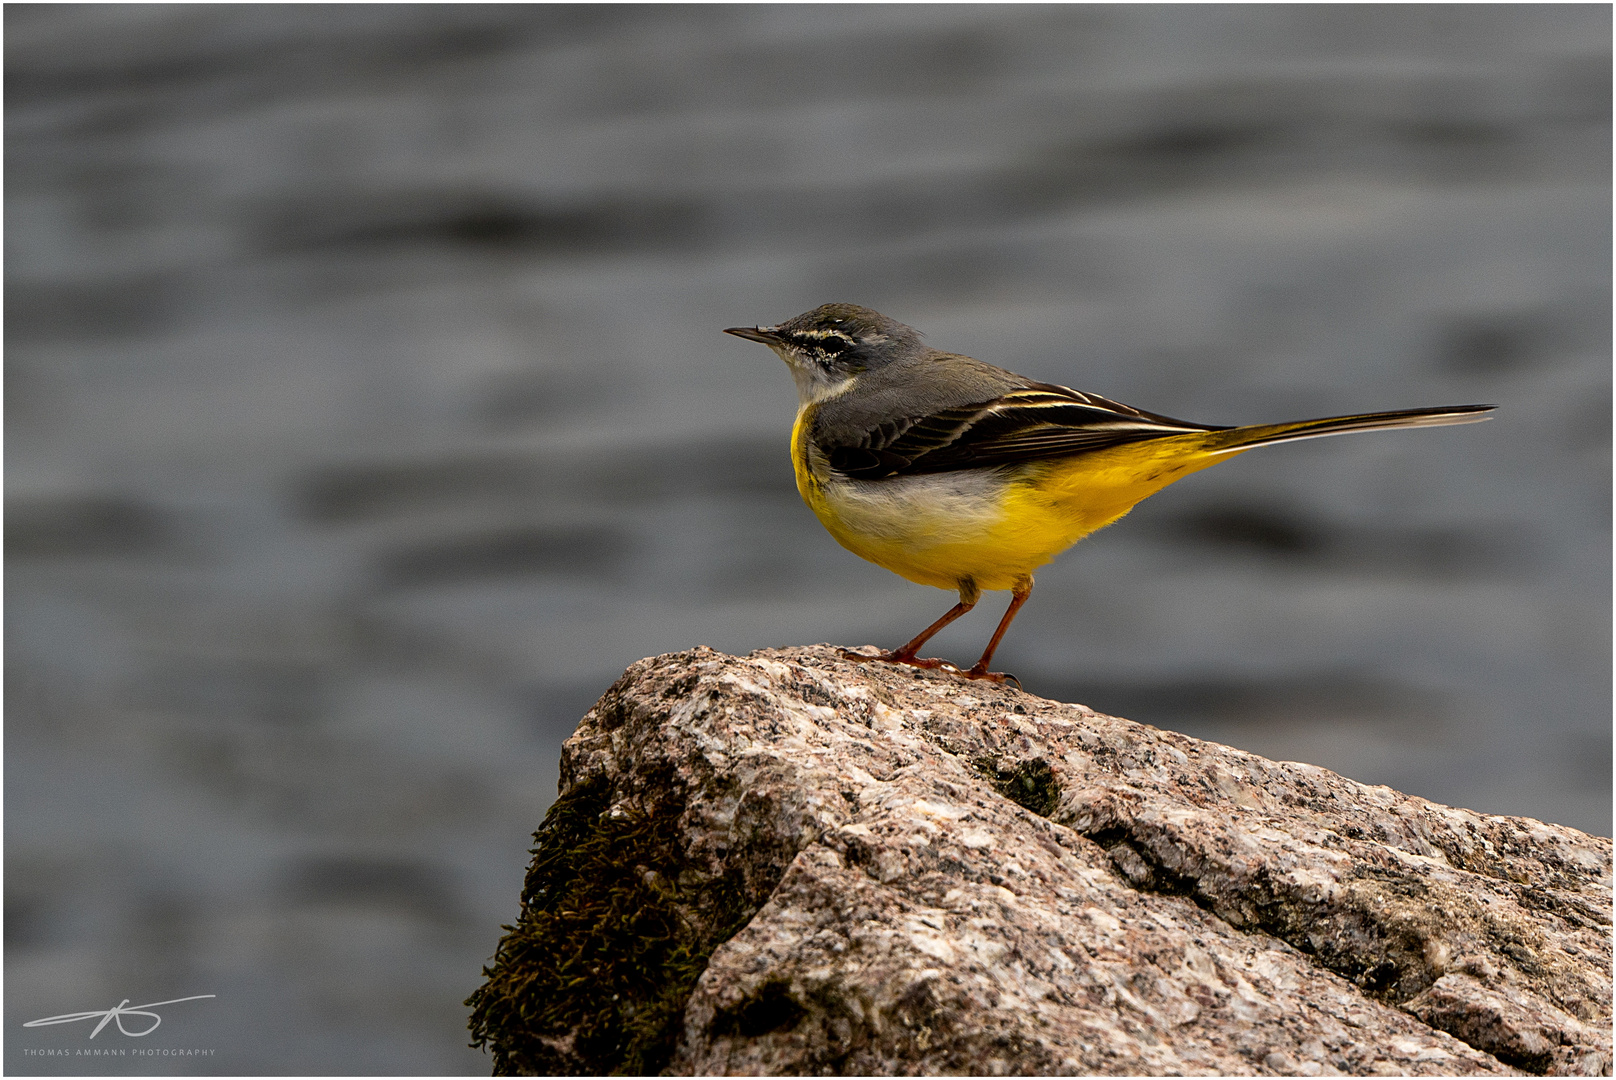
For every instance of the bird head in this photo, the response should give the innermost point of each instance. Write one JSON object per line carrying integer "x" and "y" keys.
{"x": 830, "y": 346}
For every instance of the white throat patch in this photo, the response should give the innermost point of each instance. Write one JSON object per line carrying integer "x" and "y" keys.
{"x": 815, "y": 383}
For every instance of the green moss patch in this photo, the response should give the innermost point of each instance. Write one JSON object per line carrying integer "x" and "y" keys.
{"x": 1030, "y": 784}
{"x": 614, "y": 930}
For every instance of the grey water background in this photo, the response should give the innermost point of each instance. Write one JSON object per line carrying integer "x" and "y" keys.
{"x": 367, "y": 414}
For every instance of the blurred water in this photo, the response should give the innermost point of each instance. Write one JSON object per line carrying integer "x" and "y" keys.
{"x": 368, "y": 413}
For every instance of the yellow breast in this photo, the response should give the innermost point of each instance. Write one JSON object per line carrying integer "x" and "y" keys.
{"x": 989, "y": 527}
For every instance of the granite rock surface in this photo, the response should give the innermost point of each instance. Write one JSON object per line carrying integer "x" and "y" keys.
{"x": 790, "y": 863}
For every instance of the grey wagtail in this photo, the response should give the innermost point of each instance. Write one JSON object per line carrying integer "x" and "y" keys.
{"x": 958, "y": 474}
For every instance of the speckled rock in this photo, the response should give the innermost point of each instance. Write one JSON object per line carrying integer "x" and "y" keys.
{"x": 789, "y": 863}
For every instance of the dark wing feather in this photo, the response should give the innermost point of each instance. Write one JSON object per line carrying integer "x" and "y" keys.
{"x": 1032, "y": 423}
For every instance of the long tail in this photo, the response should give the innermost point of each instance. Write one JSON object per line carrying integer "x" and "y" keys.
{"x": 1233, "y": 440}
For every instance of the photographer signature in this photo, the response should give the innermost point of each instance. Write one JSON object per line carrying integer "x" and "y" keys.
{"x": 116, "y": 1015}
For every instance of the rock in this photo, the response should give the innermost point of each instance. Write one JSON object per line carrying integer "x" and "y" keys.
{"x": 789, "y": 863}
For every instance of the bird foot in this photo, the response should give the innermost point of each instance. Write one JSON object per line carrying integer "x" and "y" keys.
{"x": 930, "y": 664}
{"x": 1000, "y": 677}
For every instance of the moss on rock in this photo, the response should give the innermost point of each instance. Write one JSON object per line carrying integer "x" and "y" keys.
{"x": 613, "y": 933}
{"x": 1030, "y": 784}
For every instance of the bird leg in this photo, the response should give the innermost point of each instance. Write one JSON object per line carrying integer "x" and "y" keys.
{"x": 1018, "y": 597}
{"x": 909, "y": 654}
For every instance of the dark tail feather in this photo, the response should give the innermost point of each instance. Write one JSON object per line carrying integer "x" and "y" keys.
{"x": 1244, "y": 438}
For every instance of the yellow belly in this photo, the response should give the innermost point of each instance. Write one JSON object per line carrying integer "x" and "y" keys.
{"x": 990, "y": 528}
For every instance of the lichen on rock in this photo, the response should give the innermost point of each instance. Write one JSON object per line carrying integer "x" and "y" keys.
{"x": 788, "y": 863}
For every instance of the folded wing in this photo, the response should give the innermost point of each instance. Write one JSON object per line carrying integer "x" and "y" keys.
{"x": 1032, "y": 423}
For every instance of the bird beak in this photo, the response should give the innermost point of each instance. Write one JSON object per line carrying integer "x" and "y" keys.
{"x": 767, "y": 335}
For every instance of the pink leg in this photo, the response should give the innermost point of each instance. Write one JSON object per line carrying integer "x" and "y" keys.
{"x": 980, "y": 670}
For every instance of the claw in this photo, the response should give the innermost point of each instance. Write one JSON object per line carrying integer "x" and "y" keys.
{"x": 1000, "y": 677}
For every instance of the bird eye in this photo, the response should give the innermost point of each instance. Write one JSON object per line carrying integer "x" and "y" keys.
{"x": 833, "y": 345}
